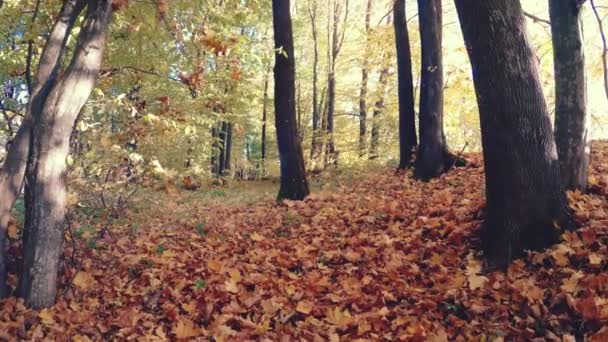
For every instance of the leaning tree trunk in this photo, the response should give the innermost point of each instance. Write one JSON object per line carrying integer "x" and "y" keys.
{"x": 13, "y": 171}
{"x": 432, "y": 157}
{"x": 526, "y": 205}
{"x": 570, "y": 93}
{"x": 293, "y": 173}
{"x": 364, "y": 81}
{"x": 407, "y": 114}
{"x": 46, "y": 169}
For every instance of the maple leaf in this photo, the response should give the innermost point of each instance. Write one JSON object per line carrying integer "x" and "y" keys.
{"x": 587, "y": 308}
{"x": 185, "y": 328}
{"x": 305, "y": 307}
{"x": 83, "y": 280}
{"x": 46, "y": 317}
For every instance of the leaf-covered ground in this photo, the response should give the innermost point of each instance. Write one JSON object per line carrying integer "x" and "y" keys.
{"x": 381, "y": 258}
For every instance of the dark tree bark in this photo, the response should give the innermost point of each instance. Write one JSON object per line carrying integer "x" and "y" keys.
{"x": 407, "y": 113}
{"x": 293, "y": 173}
{"x": 526, "y": 204}
{"x": 378, "y": 112}
{"x": 570, "y": 93}
{"x": 228, "y": 148}
{"x": 432, "y": 158}
{"x": 364, "y": 81}
{"x": 46, "y": 169}
{"x": 223, "y": 127}
{"x": 264, "y": 120}
{"x": 13, "y": 170}
{"x": 215, "y": 150}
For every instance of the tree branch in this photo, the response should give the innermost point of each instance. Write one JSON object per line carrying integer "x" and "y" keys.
{"x": 604, "y": 43}
{"x": 537, "y": 19}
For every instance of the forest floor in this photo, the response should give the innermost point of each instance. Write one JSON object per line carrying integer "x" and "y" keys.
{"x": 370, "y": 256}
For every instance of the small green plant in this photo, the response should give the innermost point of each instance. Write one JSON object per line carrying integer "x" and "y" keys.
{"x": 200, "y": 229}
{"x": 200, "y": 284}
{"x": 160, "y": 249}
{"x": 92, "y": 243}
{"x": 19, "y": 211}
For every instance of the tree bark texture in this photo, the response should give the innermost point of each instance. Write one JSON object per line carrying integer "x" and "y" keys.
{"x": 378, "y": 112}
{"x": 294, "y": 184}
{"x": 364, "y": 81}
{"x": 13, "y": 170}
{"x": 407, "y": 113}
{"x": 526, "y": 204}
{"x": 570, "y": 93}
{"x": 432, "y": 158}
{"x": 46, "y": 169}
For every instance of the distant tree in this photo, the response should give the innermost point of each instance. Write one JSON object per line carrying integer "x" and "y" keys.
{"x": 364, "y": 81}
{"x": 45, "y": 194}
{"x": 433, "y": 157}
{"x": 294, "y": 184}
{"x": 316, "y": 149}
{"x": 338, "y": 31}
{"x": 264, "y": 121}
{"x": 407, "y": 113}
{"x": 526, "y": 204}
{"x": 13, "y": 170}
{"x": 570, "y": 92}
{"x": 379, "y": 107}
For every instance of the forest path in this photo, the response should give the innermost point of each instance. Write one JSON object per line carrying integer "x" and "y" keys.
{"x": 380, "y": 257}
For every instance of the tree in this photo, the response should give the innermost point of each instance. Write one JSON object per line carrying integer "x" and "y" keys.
{"x": 407, "y": 113}
{"x": 45, "y": 193}
{"x": 294, "y": 184}
{"x": 338, "y": 32}
{"x": 526, "y": 204}
{"x": 13, "y": 171}
{"x": 317, "y": 146}
{"x": 364, "y": 79}
{"x": 378, "y": 112}
{"x": 432, "y": 157}
{"x": 264, "y": 120}
{"x": 570, "y": 93}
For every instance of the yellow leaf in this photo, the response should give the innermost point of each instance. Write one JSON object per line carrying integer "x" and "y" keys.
{"x": 13, "y": 230}
{"x": 46, "y": 317}
{"x": 82, "y": 338}
{"x": 305, "y": 307}
{"x": 256, "y": 237}
{"x": 83, "y": 280}
{"x": 185, "y": 328}
{"x": 231, "y": 286}
{"x": 595, "y": 259}
{"x": 215, "y": 265}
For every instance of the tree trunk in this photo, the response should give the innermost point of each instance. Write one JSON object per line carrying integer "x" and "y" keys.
{"x": 364, "y": 79}
{"x": 215, "y": 150}
{"x": 293, "y": 173}
{"x": 570, "y": 93}
{"x": 264, "y": 119}
{"x": 228, "y": 148}
{"x": 13, "y": 170}
{"x": 378, "y": 111}
{"x": 46, "y": 169}
{"x": 223, "y": 127}
{"x": 407, "y": 114}
{"x": 432, "y": 158}
{"x": 526, "y": 204}
{"x": 315, "y": 149}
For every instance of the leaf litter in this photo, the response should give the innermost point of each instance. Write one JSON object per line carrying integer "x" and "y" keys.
{"x": 385, "y": 258}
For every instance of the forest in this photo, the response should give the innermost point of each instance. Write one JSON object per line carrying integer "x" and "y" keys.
{"x": 304, "y": 170}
